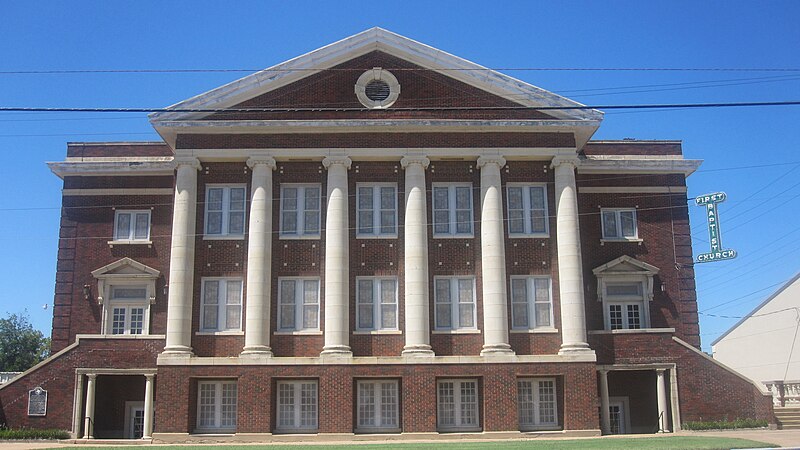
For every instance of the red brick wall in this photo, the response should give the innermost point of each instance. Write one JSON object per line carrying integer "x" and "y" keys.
{"x": 117, "y": 149}
{"x": 706, "y": 390}
{"x": 633, "y": 148}
{"x": 58, "y": 378}
{"x": 576, "y": 387}
{"x": 87, "y": 224}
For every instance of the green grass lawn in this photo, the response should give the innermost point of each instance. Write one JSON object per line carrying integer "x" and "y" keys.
{"x": 666, "y": 443}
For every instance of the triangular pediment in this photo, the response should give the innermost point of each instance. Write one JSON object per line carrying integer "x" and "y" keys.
{"x": 428, "y": 73}
{"x": 625, "y": 265}
{"x": 126, "y": 267}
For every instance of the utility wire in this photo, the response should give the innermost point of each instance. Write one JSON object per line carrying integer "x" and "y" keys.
{"x": 423, "y": 108}
{"x": 410, "y": 69}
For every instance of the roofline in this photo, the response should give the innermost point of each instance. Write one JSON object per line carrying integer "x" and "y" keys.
{"x": 761, "y": 305}
{"x": 101, "y": 143}
{"x": 378, "y": 39}
{"x": 636, "y": 141}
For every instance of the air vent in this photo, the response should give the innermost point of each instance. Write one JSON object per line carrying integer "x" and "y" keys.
{"x": 377, "y": 90}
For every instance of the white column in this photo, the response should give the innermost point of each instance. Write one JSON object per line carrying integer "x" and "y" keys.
{"x": 661, "y": 390}
{"x": 88, "y": 425}
{"x": 147, "y": 432}
{"x": 416, "y": 258}
{"x": 605, "y": 418}
{"x": 181, "y": 260}
{"x": 570, "y": 268}
{"x": 259, "y": 258}
{"x": 493, "y": 259}
{"x": 337, "y": 261}
{"x": 77, "y": 413}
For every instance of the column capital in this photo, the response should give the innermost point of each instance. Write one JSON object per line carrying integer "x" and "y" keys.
{"x": 566, "y": 159}
{"x": 415, "y": 159}
{"x": 190, "y": 161}
{"x": 328, "y": 161}
{"x": 91, "y": 376}
{"x": 150, "y": 376}
{"x": 267, "y": 160}
{"x": 491, "y": 159}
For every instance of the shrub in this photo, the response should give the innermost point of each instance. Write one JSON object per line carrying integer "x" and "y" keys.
{"x": 31, "y": 433}
{"x": 726, "y": 424}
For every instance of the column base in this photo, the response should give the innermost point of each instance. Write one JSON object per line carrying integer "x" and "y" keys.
{"x": 338, "y": 351}
{"x": 178, "y": 350}
{"x": 497, "y": 350}
{"x": 414, "y": 351}
{"x": 256, "y": 351}
{"x": 575, "y": 349}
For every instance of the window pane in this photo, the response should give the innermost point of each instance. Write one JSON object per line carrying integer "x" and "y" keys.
{"x": 615, "y": 316}
{"x": 440, "y": 198}
{"x": 632, "y": 289}
{"x": 211, "y": 292}
{"x": 137, "y": 320}
{"x": 310, "y": 291}
{"x": 214, "y": 200}
{"x": 207, "y": 405}
{"x": 463, "y": 222}
{"x": 236, "y": 223}
{"x": 311, "y": 222}
{"x": 465, "y": 291}
{"x": 469, "y": 403}
{"x": 609, "y": 224}
{"x": 142, "y": 226}
{"x": 289, "y": 198}
{"x": 310, "y": 316}
{"x": 388, "y": 291}
{"x": 547, "y": 402}
{"x": 538, "y": 224}
{"x": 387, "y": 222}
{"x": 228, "y": 407}
{"x": 525, "y": 405}
{"x": 516, "y": 221}
{"x": 118, "y": 321}
{"x": 466, "y": 318}
{"x": 628, "y": 223}
{"x": 365, "y": 198}
{"x": 634, "y": 319}
{"x": 443, "y": 316}
{"x": 287, "y": 291}
{"x": 234, "y": 292}
{"x": 542, "y": 314}
{"x": 447, "y": 404}
{"x": 129, "y": 293}
{"x": 308, "y": 405}
{"x": 286, "y": 405}
{"x": 366, "y": 404}
{"x": 542, "y": 286}
{"x": 519, "y": 312}
{"x": 365, "y": 291}
{"x": 237, "y": 199}
{"x": 210, "y": 317}
{"x": 387, "y": 197}
{"x": 365, "y": 222}
{"x": 441, "y": 220}
{"x": 463, "y": 198}
{"x": 123, "y": 226}
{"x": 365, "y": 316}
{"x": 214, "y": 223}
{"x": 443, "y": 291}
{"x": 515, "y": 198}
{"x": 388, "y": 316}
{"x": 289, "y": 222}
{"x": 287, "y": 317}
{"x": 312, "y": 199}
{"x": 389, "y": 404}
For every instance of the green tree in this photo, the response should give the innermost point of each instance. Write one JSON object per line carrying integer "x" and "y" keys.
{"x": 21, "y": 345}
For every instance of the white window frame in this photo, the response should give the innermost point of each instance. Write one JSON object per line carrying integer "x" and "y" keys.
{"x": 222, "y": 304}
{"x": 131, "y": 235}
{"x": 296, "y": 406}
{"x": 451, "y": 210}
{"x": 298, "y": 304}
{"x": 535, "y": 414}
{"x": 624, "y": 301}
{"x": 379, "y": 403}
{"x": 226, "y": 212}
{"x": 457, "y": 405}
{"x": 218, "y": 399}
{"x": 455, "y": 316}
{"x": 376, "y": 211}
{"x": 300, "y": 232}
{"x": 111, "y": 303}
{"x": 618, "y": 224}
{"x": 527, "y": 210}
{"x": 531, "y": 301}
{"x": 377, "y": 303}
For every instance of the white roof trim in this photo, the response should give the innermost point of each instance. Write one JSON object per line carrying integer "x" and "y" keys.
{"x": 146, "y": 271}
{"x": 608, "y": 267}
{"x": 359, "y": 44}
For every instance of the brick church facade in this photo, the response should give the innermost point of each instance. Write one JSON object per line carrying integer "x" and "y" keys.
{"x": 375, "y": 237}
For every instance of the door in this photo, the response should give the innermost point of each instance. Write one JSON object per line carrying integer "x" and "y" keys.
{"x": 616, "y": 415}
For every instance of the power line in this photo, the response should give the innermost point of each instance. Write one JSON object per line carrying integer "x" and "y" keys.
{"x": 421, "y": 108}
{"x": 405, "y": 69}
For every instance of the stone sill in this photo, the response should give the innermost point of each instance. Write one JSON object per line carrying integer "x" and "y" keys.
{"x": 298, "y": 333}
{"x": 456, "y": 332}
{"x": 148, "y": 242}
{"x": 632, "y": 240}
{"x": 168, "y": 360}
{"x": 535, "y": 331}
{"x": 634, "y": 331}
{"x": 219, "y": 333}
{"x": 377, "y": 332}
{"x": 294, "y": 237}
{"x": 226, "y": 237}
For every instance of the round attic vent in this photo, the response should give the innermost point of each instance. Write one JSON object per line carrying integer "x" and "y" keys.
{"x": 377, "y": 88}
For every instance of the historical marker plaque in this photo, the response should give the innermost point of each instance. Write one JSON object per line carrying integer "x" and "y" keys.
{"x": 37, "y": 402}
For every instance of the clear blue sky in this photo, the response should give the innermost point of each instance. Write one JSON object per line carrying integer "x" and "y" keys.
{"x": 759, "y": 220}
